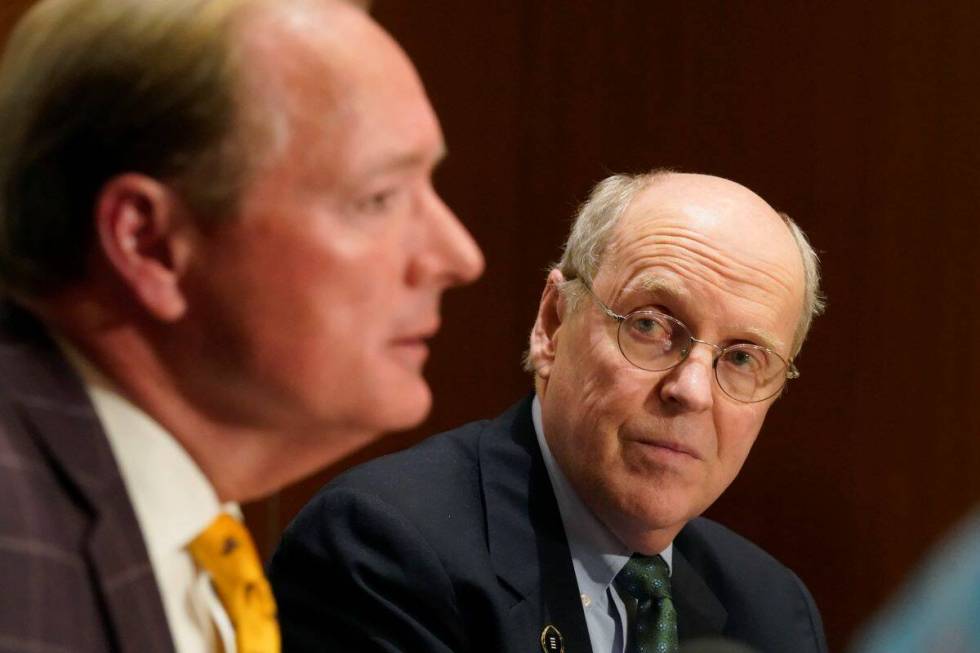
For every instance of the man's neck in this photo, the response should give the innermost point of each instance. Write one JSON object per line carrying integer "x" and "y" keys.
{"x": 242, "y": 459}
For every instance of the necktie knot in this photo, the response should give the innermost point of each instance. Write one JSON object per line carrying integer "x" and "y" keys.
{"x": 645, "y": 578}
{"x": 225, "y": 550}
{"x": 644, "y": 586}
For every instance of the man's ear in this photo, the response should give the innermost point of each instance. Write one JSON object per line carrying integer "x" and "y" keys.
{"x": 140, "y": 225}
{"x": 544, "y": 335}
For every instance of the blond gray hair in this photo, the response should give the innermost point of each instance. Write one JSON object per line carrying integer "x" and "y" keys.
{"x": 90, "y": 89}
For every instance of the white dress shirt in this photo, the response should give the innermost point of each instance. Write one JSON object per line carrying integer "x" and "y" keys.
{"x": 597, "y": 555}
{"x": 174, "y": 502}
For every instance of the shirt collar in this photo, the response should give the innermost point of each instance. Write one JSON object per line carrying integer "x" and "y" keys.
{"x": 172, "y": 498}
{"x": 597, "y": 553}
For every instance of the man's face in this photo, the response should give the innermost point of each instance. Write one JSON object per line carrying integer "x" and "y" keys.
{"x": 648, "y": 451}
{"x": 314, "y": 304}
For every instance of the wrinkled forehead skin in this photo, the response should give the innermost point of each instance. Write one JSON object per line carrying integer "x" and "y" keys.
{"x": 701, "y": 232}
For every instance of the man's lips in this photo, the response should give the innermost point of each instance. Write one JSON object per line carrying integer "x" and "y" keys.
{"x": 411, "y": 340}
{"x": 414, "y": 345}
{"x": 673, "y": 446}
{"x": 421, "y": 330}
{"x": 418, "y": 337}
{"x": 412, "y": 352}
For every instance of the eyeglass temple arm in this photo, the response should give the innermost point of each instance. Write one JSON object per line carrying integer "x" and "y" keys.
{"x": 608, "y": 311}
{"x": 792, "y": 371}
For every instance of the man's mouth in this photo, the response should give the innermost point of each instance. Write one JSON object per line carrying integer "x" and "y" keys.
{"x": 414, "y": 347}
{"x": 671, "y": 448}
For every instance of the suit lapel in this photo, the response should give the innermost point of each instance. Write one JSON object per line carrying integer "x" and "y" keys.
{"x": 526, "y": 537}
{"x": 699, "y": 612}
{"x": 53, "y": 404}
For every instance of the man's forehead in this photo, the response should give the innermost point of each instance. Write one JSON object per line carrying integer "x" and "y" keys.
{"x": 347, "y": 77}
{"x": 704, "y": 237}
{"x": 710, "y": 220}
{"x": 331, "y": 42}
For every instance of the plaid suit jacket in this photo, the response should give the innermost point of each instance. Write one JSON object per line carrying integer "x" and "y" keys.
{"x": 74, "y": 572}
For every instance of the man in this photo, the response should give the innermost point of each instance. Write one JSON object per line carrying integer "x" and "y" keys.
{"x": 570, "y": 523}
{"x": 223, "y": 256}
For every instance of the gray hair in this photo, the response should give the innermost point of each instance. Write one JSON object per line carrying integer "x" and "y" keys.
{"x": 594, "y": 225}
{"x": 814, "y": 302}
{"x": 596, "y": 221}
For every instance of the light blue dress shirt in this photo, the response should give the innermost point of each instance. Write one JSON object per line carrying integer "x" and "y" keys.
{"x": 597, "y": 555}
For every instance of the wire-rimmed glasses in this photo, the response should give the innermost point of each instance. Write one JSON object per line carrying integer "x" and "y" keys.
{"x": 656, "y": 342}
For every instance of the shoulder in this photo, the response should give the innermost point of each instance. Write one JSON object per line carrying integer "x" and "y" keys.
{"x": 45, "y": 527}
{"x": 429, "y": 492}
{"x": 766, "y": 601}
{"x": 395, "y": 539}
{"x": 437, "y": 485}
{"x": 39, "y": 496}
{"x": 713, "y": 547}
{"x": 413, "y": 478}
{"x": 729, "y": 561}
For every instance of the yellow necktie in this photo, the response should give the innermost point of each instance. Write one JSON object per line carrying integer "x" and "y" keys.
{"x": 225, "y": 550}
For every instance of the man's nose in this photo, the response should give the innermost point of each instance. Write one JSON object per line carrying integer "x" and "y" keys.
{"x": 690, "y": 385}
{"x": 449, "y": 255}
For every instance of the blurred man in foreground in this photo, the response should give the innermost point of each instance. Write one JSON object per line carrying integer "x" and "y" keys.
{"x": 570, "y": 523}
{"x": 222, "y": 256}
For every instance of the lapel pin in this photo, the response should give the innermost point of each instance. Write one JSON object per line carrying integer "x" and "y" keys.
{"x": 551, "y": 640}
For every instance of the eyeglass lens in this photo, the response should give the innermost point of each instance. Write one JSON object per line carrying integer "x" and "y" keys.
{"x": 657, "y": 342}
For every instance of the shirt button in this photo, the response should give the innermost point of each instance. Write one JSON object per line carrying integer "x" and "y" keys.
{"x": 586, "y": 600}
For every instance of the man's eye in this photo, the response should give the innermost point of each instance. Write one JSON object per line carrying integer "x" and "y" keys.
{"x": 747, "y": 359}
{"x": 646, "y": 326}
{"x": 648, "y": 329}
{"x": 740, "y": 358}
{"x": 378, "y": 202}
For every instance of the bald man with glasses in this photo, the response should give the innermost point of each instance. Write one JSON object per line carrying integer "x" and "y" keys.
{"x": 571, "y": 522}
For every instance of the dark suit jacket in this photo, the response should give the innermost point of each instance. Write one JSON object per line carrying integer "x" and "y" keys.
{"x": 74, "y": 572}
{"x": 457, "y": 545}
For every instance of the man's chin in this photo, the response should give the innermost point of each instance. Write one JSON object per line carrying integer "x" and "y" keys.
{"x": 405, "y": 406}
{"x": 398, "y": 410}
{"x": 652, "y": 519}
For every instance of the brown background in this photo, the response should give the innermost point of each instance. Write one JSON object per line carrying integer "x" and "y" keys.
{"x": 859, "y": 119}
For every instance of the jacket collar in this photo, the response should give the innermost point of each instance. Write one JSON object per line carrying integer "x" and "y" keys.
{"x": 51, "y": 400}
{"x": 699, "y": 612}
{"x": 526, "y": 537}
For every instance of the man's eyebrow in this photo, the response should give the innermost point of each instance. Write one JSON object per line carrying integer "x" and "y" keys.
{"x": 764, "y": 338}
{"x": 664, "y": 287}
{"x": 406, "y": 160}
{"x": 657, "y": 285}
